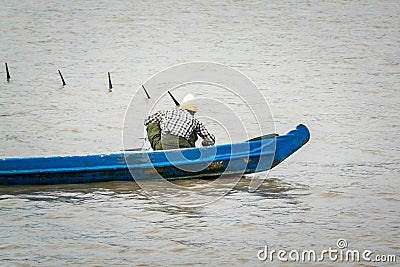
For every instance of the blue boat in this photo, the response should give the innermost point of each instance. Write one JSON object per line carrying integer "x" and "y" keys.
{"x": 256, "y": 155}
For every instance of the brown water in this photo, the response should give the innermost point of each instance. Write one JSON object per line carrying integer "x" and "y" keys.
{"x": 331, "y": 65}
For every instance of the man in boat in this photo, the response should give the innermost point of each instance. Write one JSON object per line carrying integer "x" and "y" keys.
{"x": 177, "y": 128}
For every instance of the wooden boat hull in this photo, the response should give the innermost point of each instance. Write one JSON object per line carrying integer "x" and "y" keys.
{"x": 239, "y": 158}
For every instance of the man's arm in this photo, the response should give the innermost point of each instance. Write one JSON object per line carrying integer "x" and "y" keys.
{"x": 201, "y": 130}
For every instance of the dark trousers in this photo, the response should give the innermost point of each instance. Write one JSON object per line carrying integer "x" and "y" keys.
{"x": 168, "y": 141}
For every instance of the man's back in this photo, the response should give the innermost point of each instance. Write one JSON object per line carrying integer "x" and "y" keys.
{"x": 179, "y": 124}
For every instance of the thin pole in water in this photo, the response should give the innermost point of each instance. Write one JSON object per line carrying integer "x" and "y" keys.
{"x": 147, "y": 94}
{"x": 109, "y": 82}
{"x": 62, "y": 78}
{"x": 173, "y": 99}
{"x": 8, "y": 73}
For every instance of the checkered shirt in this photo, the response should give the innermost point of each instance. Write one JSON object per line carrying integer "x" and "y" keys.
{"x": 181, "y": 123}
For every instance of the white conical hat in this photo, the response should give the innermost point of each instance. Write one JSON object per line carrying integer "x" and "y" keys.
{"x": 189, "y": 103}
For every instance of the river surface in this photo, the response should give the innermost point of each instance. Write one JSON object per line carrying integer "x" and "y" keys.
{"x": 332, "y": 65}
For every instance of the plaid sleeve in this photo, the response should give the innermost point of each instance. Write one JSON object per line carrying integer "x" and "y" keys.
{"x": 155, "y": 117}
{"x": 203, "y": 133}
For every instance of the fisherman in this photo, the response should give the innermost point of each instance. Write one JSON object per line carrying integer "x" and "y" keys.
{"x": 177, "y": 128}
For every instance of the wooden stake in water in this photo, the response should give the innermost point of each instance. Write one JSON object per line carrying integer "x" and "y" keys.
{"x": 8, "y": 73}
{"x": 62, "y": 78}
{"x": 147, "y": 94}
{"x": 109, "y": 82}
{"x": 173, "y": 99}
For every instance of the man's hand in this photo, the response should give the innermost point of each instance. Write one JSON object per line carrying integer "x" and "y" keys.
{"x": 206, "y": 143}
